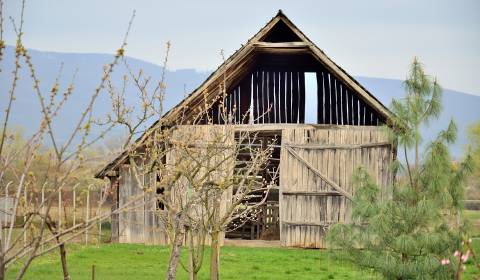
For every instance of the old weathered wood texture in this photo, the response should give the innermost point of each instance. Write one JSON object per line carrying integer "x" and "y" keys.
{"x": 315, "y": 179}
{"x": 131, "y": 199}
{"x": 141, "y": 220}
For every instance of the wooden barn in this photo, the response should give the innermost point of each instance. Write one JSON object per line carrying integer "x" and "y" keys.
{"x": 320, "y": 138}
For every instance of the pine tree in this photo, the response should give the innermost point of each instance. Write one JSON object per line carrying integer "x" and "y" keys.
{"x": 414, "y": 234}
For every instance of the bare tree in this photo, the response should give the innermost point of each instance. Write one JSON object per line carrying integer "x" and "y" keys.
{"x": 38, "y": 231}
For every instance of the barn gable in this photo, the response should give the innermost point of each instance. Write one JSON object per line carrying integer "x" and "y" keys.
{"x": 266, "y": 76}
{"x": 265, "y": 83}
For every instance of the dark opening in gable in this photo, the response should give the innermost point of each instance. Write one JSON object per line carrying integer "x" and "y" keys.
{"x": 280, "y": 32}
{"x": 292, "y": 88}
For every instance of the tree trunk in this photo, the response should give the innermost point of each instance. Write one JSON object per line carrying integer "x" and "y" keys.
{"x": 175, "y": 254}
{"x": 63, "y": 257}
{"x": 215, "y": 256}
{"x": 2, "y": 268}
{"x": 191, "y": 257}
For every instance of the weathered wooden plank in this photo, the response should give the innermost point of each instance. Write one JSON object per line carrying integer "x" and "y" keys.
{"x": 339, "y": 146}
{"x": 312, "y": 193}
{"x": 334, "y": 103}
{"x": 318, "y": 173}
{"x": 328, "y": 98}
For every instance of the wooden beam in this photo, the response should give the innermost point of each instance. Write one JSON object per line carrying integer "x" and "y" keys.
{"x": 285, "y": 45}
{"x": 326, "y": 193}
{"x": 293, "y": 223}
{"x": 341, "y": 146}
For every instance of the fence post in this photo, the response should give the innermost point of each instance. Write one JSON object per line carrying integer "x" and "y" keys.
{"x": 25, "y": 217}
{"x": 59, "y": 209}
{"x": 86, "y": 217}
{"x": 43, "y": 205}
{"x": 74, "y": 205}
{"x": 99, "y": 214}
{"x": 93, "y": 272}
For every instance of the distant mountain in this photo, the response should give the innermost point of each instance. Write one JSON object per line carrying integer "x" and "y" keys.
{"x": 89, "y": 70}
{"x": 462, "y": 107}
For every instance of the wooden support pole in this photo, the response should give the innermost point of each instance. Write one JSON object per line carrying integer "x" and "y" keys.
{"x": 25, "y": 217}
{"x": 87, "y": 215}
{"x": 93, "y": 272}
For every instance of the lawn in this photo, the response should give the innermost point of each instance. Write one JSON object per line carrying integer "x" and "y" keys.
{"x": 127, "y": 261}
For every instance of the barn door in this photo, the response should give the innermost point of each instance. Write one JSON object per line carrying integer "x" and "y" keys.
{"x": 315, "y": 181}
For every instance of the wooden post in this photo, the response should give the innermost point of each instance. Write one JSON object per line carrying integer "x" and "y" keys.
{"x": 87, "y": 215}
{"x": 75, "y": 205}
{"x": 93, "y": 272}
{"x": 43, "y": 205}
{"x": 25, "y": 217}
{"x": 99, "y": 213}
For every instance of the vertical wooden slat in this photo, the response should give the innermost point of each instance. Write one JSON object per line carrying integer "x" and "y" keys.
{"x": 295, "y": 95}
{"x": 333, "y": 105}
{"x": 338, "y": 93}
{"x": 320, "y": 119}
{"x": 301, "y": 99}
{"x": 326, "y": 84}
{"x": 289, "y": 97}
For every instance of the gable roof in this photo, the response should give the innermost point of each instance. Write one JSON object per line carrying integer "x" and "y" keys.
{"x": 233, "y": 67}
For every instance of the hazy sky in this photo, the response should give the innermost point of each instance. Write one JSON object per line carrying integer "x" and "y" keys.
{"x": 368, "y": 38}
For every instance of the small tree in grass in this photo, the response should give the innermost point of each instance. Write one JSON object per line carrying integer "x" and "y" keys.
{"x": 413, "y": 235}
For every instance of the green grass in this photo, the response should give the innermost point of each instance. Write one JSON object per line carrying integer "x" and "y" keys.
{"x": 473, "y": 216}
{"x": 128, "y": 261}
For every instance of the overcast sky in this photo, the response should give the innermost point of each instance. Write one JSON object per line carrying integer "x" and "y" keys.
{"x": 367, "y": 38}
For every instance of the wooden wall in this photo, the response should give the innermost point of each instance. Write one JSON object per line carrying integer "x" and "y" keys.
{"x": 315, "y": 178}
{"x": 316, "y": 166}
{"x": 141, "y": 221}
{"x": 131, "y": 198}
